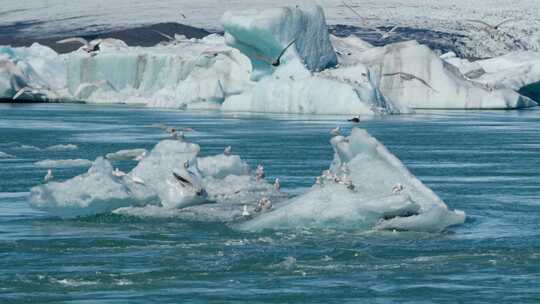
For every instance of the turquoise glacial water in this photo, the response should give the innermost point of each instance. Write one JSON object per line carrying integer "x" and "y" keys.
{"x": 485, "y": 163}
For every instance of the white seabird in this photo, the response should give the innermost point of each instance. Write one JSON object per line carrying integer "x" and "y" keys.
{"x": 245, "y": 212}
{"x": 49, "y": 176}
{"x": 118, "y": 173}
{"x": 186, "y": 178}
{"x": 90, "y": 47}
{"x": 274, "y": 61}
{"x": 397, "y": 188}
{"x": 277, "y": 185}
{"x": 408, "y": 77}
{"x": 227, "y": 151}
{"x": 491, "y": 27}
{"x": 259, "y": 172}
{"x": 140, "y": 156}
{"x": 336, "y": 131}
{"x": 388, "y": 34}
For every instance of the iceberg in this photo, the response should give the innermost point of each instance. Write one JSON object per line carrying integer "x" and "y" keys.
{"x": 357, "y": 192}
{"x": 266, "y": 33}
{"x": 519, "y": 71}
{"x": 151, "y": 185}
{"x": 96, "y": 191}
{"x": 372, "y": 202}
{"x": 445, "y": 87}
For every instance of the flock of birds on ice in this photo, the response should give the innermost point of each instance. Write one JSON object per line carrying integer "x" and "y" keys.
{"x": 186, "y": 178}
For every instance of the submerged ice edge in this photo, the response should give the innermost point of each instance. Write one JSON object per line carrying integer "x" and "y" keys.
{"x": 240, "y": 72}
{"x": 365, "y": 188}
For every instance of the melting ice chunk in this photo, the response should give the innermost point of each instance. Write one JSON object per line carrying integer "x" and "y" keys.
{"x": 362, "y": 161}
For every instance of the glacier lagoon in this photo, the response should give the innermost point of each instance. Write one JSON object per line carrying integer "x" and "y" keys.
{"x": 484, "y": 163}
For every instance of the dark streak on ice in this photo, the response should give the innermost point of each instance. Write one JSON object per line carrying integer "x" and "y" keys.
{"x": 16, "y": 35}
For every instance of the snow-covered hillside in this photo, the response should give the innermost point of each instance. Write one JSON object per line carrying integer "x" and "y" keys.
{"x": 58, "y": 17}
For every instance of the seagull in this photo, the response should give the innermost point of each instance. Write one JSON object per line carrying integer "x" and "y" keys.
{"x": 355, "y": 119}
{"x": 318, "y": 180}
{"x": 397, "y": 188}
{"x": 275, "y": 62}
{"x": 21, "y": 91}
{"x": 140, "y": 156}
{"x": 178, "y": 136}
{"x": 336, "y": 131}
{"x": 353, "y": 10}
{"x": 388, "y": 34}
{"x": 264, "y": 203}
{"x": 277, "y": 185}
{"x": 187, "y": 178}
{"x": 137, "y": 179}
{"x": 488, "y": 26}
{"x": 245, "y": 211}
{"x": 118, "y": 173}
{"x": 96, "y": 84}
{"x": 259, "y": 172}
{"x": 89, "y": 47}
{"x": 48, "y": 176}
{"x": 408, "y": 77}
{"x": 227, "y": 151}
{"x": 168, "y": 37}
{"x": 34, "y": 90}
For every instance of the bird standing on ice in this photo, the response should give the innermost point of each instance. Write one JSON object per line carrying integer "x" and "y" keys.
{"x": 397, "y": 188}
{"x": 137, "y": 180}
{"x": 277, "y": 185}
{"x": 187, "y": 178}
{"x": 118, "y": 173}
{"x": 245, "y": 212}
{"x": 48, "y": 176}
{"x": 259, "y": 172}
{"x": 140, "y": 156}
{"x": 227, "y": 151}
{"x": 336, "y": 131}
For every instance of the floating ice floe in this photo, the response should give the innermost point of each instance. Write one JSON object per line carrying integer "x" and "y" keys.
{"x": 153, "y": 183}
{"x": 126, "y": 154}
{"x": 316, "y": 74}
{"x": 359, "y": 191}
{"x": 63, "y": 163}
{"x": 365, "y": 188}
{"x": 66, "y": 147}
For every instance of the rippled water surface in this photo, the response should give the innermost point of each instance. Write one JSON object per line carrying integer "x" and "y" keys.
{"x": 485, "y": 163}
